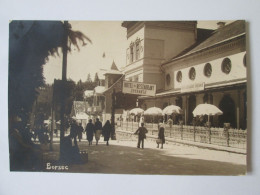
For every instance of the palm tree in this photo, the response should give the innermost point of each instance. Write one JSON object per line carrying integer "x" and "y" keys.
{"x": 30, "y": 45}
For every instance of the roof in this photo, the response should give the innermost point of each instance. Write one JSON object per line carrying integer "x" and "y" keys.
{"x": 88, "y": 93}
{"x": 115, "y": 84}
{"x": 99, "y": 89}
{"x": 225, "y": 33}
{"x": 113, "y": 70}
{"x": 113, "y": 66}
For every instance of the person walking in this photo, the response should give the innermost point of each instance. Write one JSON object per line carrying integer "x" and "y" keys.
{"x": 141, "y": 120}
{"x": 161, "y": 137}
{"x": 170, "y": 122}
{"x": 106, "y": 131}
{"x": 141, "y": 132}
{"x": 80, "y": 131}
{"x": 90, "y": 131}
{"x": 97, "y": 130}
{"x": 74, "y": 132}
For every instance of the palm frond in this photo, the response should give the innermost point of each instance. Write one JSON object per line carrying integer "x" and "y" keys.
{"x": 75, "y": 36}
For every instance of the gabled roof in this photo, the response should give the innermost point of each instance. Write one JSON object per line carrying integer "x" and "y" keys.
{"x": 113, "y": 66}
{"x": 113, "y": 70}
{"x": 225, "y": 33}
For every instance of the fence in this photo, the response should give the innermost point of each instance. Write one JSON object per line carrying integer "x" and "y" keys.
{"x": 217, "y": 136}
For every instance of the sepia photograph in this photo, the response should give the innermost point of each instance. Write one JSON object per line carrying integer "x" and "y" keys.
{"x": 143, "y": 97}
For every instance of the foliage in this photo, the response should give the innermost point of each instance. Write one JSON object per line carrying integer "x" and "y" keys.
{"x": 30, "y": 44}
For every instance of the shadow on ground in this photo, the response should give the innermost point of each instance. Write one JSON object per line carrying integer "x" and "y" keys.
{"x": 114, "y": 159}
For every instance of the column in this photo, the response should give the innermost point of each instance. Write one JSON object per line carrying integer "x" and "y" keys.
{"x": 238, "y": 109}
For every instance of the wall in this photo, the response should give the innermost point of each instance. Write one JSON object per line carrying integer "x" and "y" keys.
{"x": 238, "y": 71}
{"x": 174, "y": 40}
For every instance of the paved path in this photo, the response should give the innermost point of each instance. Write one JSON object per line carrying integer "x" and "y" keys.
{"x": 122, "y": 157}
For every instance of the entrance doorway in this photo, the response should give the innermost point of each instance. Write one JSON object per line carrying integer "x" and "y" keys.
{"x": 227, "y": 106}
{"x": 191, "y": 107}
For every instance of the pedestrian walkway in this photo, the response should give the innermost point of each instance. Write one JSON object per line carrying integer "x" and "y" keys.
{"x": 123, "y": 157}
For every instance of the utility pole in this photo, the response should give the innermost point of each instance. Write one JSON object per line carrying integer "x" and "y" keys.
{"x": 113, "y": 134}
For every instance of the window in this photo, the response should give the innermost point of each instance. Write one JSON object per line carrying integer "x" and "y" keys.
{"x": 226, "y": 66}
{"x": 179, "y": 76}
{"x": 244, "y": 60}
{"x": 207, "y": 70}
{"x": 192, "y": 73}
{"x": 131, "y": 53}
{"x": 168, "y": 79}
{"x": 136, "y": 78}
{"x": 137, "y": 50}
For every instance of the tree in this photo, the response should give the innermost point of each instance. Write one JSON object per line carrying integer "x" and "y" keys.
{"x": 89, "y": 80}
{"x": 30, "y": 44}
{"x": 96, "y": 79}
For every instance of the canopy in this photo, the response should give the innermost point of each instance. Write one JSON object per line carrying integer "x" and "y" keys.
{"x": 172, "y": 109}
{"x": 47, "y": 121}
{"x": 99, "y": 90}
{"x": 206, "y": 109}
{"x": 81, "y": 116}
{"x": 88, "y": 93}
{"x": 136, "y": 111}
{"x": 153, "y": 111}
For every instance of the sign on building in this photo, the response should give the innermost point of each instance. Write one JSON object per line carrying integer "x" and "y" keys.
{"x": 193, "y": 87}
{"x": 139, "y": 88}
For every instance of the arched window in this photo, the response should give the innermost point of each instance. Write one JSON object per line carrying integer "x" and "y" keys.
{"x": 226, "y": 66}
{"x": 207, "y": 70}
{"x": 137, "y": 47}
{"x": 168, "y": 79}
{"x": 244, "y": 60}
{"x": 131, "y": 54}
{"x": 192, "y": 73}
{"x": 179, "y": 76}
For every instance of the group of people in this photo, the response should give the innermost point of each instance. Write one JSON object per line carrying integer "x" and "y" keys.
{"x": 92, "y": 129}
{"x": 70, "y": 152}
{"x": 97, "y": 129}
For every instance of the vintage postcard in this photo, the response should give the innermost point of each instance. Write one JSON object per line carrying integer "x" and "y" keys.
{"x": 128, "y": 97}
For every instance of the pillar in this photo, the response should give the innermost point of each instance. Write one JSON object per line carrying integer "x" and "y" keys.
{"x": 238, "y": 109}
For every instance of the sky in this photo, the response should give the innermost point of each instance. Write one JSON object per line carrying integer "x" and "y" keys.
{"x": 109, "y": 38}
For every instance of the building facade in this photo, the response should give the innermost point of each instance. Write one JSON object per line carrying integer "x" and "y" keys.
{"x": 191, "y": 68}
